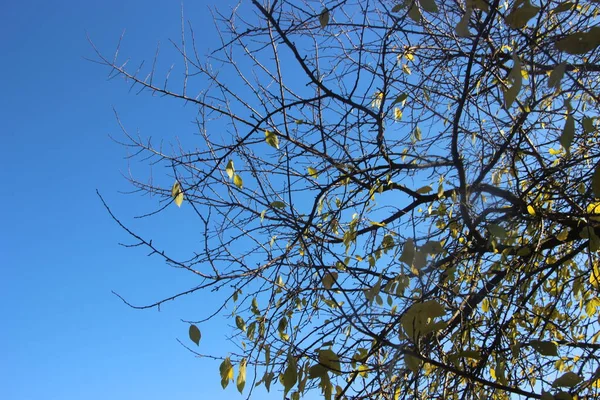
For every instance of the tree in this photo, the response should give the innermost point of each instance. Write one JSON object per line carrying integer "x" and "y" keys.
{"x": 399, "y": 198}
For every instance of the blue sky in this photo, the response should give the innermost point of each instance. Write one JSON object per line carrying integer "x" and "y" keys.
{"x": 64, "y": 335}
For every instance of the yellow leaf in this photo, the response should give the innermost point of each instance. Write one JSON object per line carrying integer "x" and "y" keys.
{"x": 272, "y": 139}
{"x": 230, "y": 169}
{"x": 241, "y": 379}
{"x": 313, "y": 173}
{"x": 485, "y": 305}
{"x": 554, "y": 152}
{"x": 530, "y": 210}
{"x": 177, "y": 194}
{"x": 330, "y": 360}
{"x": 237, "y": 181}
{"x": 226, "y": 370}
{"x": 397, "y": 114}
{"x": 405, "y": 69}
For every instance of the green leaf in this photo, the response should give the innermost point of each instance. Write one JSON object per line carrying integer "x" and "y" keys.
{"x": 568, "y": 134}
{"x": 479, "y": 5}
{"x": 546, "y": 396}
{"x": 580, "y": 42}
{"x": 521, "y": 13}
{"x": 230, "y": 169}
{"x": 267, "y": 378}
{"x": 400, "y": 98}
{"x": 329, "y": 279}
{"x": 412, "y": 362}
{"x": 414, "y": 13}
{"x": 515, "y": 75}
{"x": 418, "y": 134}
{"x": 241, "y": 379}
{"x": 272, "y": 139}
{"x": 596, "y": 182}
{"x": 562, "y": 7}
{"x": 408, "y": 252}
{"x": 545, "y": 348}
{"x": 324, "y": 17}
{"x": 237, "y": 181}
{"x": 226, "y": 370}
{"x": 556, "y": 76}
{"x": 588, "y": 124}
{"x": 429, "y": 6}
{"x": 462, "y": 28}
{"x": 397, "y": 7}
{"x": 569, "y": 379}
{"x": 290, "y": 375}
{"x": 330, "y": 360}
{"x": 277, "y": 204}
{"x": 497, "y": 231}
{"x": 177, "y": 193}
{"x": 195, "y": 334}
{"x": 240, "y": 323}
{"x": 424, "y": 189}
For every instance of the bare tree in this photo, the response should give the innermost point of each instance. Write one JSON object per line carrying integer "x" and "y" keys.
{"x": 400, "y": 198}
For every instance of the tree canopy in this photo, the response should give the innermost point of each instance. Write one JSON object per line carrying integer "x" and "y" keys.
{"x": 401, "y": 199}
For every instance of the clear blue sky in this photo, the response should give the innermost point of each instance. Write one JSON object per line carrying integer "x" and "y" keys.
{"x": 63, "y": 334}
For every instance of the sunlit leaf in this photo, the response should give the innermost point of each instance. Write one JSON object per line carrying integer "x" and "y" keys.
{"x": 313, "y": 173}
{"x": 272, "y": 139}
{"x": 237, "y": 181}
{"x": 230, "y": 169}
{"x": 240, "y": 323}
{"x": 330, "y": 360}
{"x": 530, "y": 210}
{"x": 401, "y": 98}
{"x": 177, "y": 194}
{"x": 278, "y": 204}
{"x": 226, "y": 370}
{"x": 241, "y": 378}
